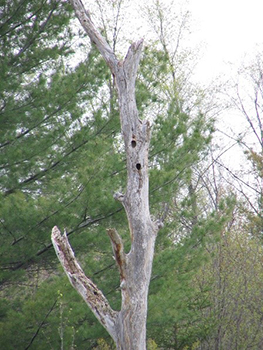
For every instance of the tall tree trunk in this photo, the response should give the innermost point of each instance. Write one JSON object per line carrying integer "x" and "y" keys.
{"x": 127, "y": 326}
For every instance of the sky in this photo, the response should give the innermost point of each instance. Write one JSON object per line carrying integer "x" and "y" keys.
{"x": 227, "y": 32}
{"x": 229, "y": 29}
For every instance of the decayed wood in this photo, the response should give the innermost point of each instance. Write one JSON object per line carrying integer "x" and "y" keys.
{"x": 118, "y": 250}
{"x": 85, "y": 287}
{"x": 128, "y": 326}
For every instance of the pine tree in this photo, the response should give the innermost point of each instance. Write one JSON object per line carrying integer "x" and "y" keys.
{"x": 61, "y": 161}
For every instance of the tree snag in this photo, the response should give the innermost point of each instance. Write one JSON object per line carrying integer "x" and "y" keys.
{"x": 127, "y": 327}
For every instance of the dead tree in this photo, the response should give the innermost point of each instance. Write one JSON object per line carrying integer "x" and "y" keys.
{"x": 127, "y": 327}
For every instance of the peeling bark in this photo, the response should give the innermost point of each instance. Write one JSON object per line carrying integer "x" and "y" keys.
{"x": 83, "y": 285}
{"x": 127, "y": 326}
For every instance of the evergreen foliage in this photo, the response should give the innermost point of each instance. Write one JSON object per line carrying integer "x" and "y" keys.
{"x": 61, "y": 161}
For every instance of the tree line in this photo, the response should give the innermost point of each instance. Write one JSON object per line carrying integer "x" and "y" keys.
{"x": 63, "y": 158}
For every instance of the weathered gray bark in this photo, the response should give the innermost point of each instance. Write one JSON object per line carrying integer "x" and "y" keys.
{"x": 127, "y": 326}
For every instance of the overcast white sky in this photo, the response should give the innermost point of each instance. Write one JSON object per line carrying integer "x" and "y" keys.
{"x": 227, "y": 31}
{"x": 230, "y": 28}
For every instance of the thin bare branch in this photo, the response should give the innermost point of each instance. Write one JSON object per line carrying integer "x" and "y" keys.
{"x": 41, "y": 325}
{"x": 259, "y": 117}
{"x": 243, "y": 109}
{"x": 236, "y": 177}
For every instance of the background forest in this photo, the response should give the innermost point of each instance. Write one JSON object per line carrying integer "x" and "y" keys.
{"x": 61, "y": 160}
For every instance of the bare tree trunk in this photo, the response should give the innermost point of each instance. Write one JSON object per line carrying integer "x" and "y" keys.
{"x": 127, "y": 326}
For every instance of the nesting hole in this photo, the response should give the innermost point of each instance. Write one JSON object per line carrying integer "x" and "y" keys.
{"x": 133, "y": 143}
{"x": 138, "y": 166}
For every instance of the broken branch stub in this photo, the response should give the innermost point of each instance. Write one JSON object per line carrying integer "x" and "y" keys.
{"x": 95, "y": 299}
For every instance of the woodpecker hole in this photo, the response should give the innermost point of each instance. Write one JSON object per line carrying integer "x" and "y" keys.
{"x": 138, "y": 166}
{"x": 133, "y": 143}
